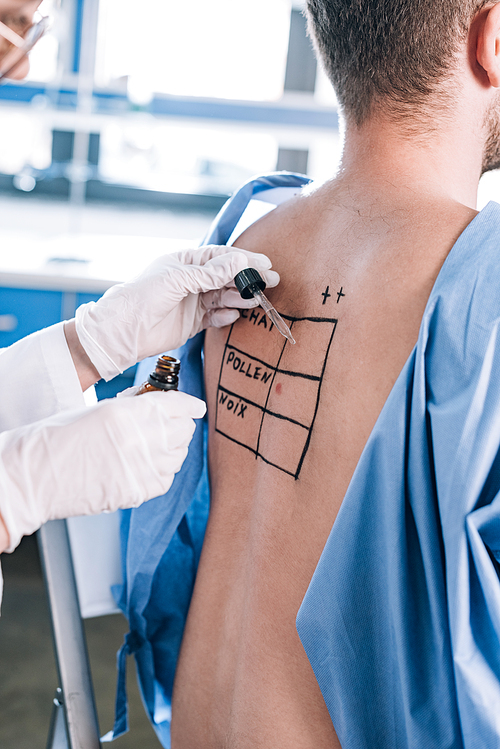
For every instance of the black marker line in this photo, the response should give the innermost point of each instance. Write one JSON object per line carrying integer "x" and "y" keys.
{"x": 245, "y": 353}
{"x": 245, "y": 400}
{"x": 316, "y": 378}
{"x": 285, "y": 418}
{"x": 331, "y": 320}
{"x": 269, "y": 463}
{"x": 261, "y": 408}
{"x": 257, "y": 455}
{"x": 265, "y": 409}
{"x": 306, "y": 447}
{"x": 242, "y": 444}
{"x": 302, "y": 319}
{"x": 295, "y": 374}
{"x": 270, "y": 366}
{"x": 220, "y": 372}
{"x": 269, "y": 393}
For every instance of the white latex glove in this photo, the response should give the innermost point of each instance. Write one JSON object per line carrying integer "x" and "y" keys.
{"x": 177, "y": 296}
{"x": 118, "y": 453}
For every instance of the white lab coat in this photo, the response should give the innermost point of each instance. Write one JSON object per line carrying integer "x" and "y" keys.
{"x": 38, "y": 379}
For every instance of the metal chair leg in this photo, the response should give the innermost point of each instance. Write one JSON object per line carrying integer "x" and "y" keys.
{"x": 58, "y": 737}
{"x": 75, "y": 697}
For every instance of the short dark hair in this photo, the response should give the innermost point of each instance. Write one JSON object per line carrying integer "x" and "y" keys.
{"x": 391, "y": 53}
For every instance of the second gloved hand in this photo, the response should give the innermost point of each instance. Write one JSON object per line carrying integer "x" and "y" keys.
{"x": 118, "y": 453}
{"x": 176, "y": 297}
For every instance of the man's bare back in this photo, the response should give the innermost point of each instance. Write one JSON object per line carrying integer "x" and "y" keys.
{"x": 287, "y": 427}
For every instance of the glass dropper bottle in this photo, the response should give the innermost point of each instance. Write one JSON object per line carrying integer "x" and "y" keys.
{"x": 164, "y": 377}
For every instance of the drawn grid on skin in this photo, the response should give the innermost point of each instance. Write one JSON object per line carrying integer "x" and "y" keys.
{"x": 270, "y": 366}
{"x": 220, "y": 375}
{"x": 266, "y": 410}
{"x": 275, "y": 370}
{"x": 269, "y": 393}
{"x": 306, "y": 447}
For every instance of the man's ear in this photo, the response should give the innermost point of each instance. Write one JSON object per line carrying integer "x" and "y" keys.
{"x": 488, "y": 44}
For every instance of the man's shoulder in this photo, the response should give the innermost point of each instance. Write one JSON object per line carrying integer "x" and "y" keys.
{"x": 477, "y": 246}
{"x": 490, "y": 215}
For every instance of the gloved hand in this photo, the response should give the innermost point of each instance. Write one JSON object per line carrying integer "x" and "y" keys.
{"x": 177, "y": 296}
{"x": 118, "y": 453}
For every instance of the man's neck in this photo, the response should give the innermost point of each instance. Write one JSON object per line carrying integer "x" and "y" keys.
{"x": 382, "y": 164}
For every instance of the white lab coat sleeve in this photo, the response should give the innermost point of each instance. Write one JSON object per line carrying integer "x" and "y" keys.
{"x": 37, "y": 378}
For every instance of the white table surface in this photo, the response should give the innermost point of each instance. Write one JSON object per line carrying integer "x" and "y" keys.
{"x": 82, "y": 263}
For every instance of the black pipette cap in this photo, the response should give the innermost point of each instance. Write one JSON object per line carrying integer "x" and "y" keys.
{"x": 246, "y": 279}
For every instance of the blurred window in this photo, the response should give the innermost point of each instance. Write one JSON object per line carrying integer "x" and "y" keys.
{"x": 229, "y": 49}
{"x": 252, "y": 51}
{"x": 183, "y": 156}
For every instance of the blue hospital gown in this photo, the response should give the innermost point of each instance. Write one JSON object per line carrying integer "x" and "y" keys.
{"x": 401, "y": 621}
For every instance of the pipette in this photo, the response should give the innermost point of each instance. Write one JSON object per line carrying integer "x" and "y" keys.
{"x": 250, "y": 284}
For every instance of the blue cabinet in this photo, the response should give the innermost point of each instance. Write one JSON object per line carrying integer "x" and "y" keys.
{"x": 23, "y": 311}
{"x": 84, "y": 297}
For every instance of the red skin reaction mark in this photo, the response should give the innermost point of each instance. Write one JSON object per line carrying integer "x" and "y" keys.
{"x": 279, "y": 388}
